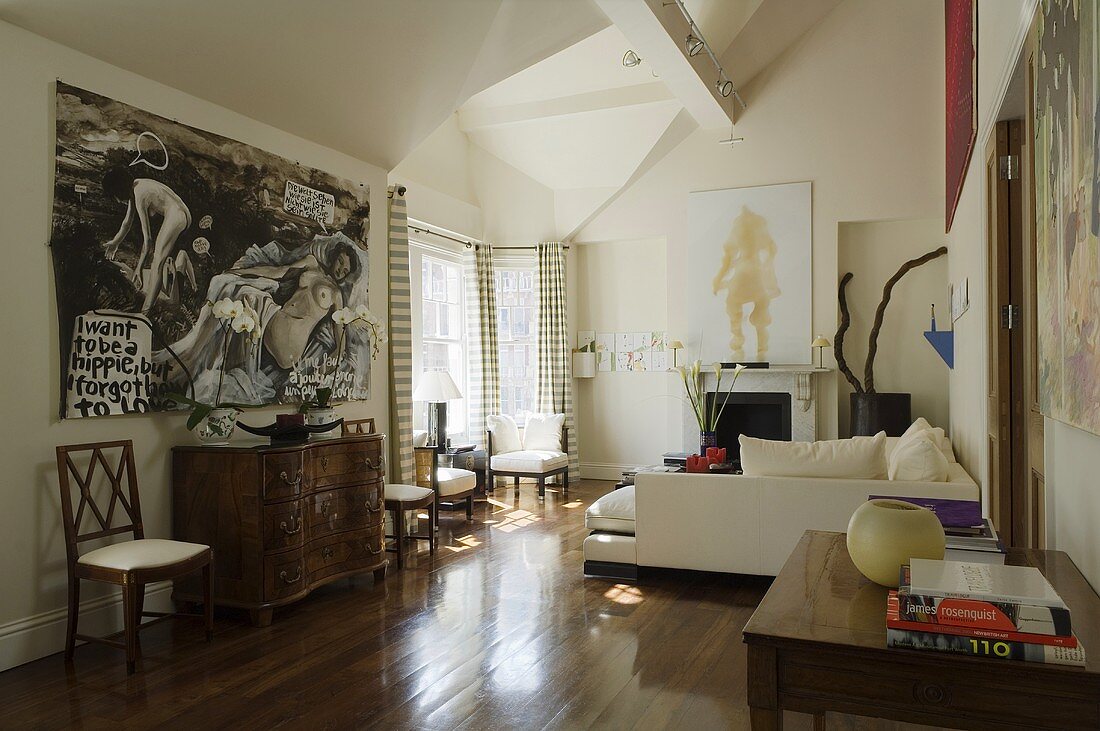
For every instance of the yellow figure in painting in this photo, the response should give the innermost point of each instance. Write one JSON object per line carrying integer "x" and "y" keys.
{"x": 748, "y": 276}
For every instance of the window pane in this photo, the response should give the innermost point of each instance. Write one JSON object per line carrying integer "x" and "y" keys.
{"x": 425, "y": 278}
{"x": 517, "y": 324}
{"x": 453, "y": 284}
{"x": 431, "y": 319}
{"x": 439, "y": 282}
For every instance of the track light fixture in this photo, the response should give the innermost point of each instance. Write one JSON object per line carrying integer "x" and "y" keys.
{"x": 693, "y": 44}
{"x": 724, "y": 86}
{"x": 631, "y": 59}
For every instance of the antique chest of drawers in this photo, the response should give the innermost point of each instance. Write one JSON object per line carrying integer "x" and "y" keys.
{"x": 282, "y": 519}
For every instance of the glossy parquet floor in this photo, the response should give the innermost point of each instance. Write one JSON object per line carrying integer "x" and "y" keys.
{"x": 500, "y": 630}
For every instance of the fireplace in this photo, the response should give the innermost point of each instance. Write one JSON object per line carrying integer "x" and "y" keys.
{"x": 758, "y": 414}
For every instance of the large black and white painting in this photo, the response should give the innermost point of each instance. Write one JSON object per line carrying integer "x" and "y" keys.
{"x": 156, "y": 222}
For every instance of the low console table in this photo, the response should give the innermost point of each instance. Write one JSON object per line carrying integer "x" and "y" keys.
{"x": 282, "y": 519}
{"x": 817, "y": 643}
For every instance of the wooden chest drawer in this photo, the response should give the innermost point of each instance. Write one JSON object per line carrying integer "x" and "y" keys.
{"x": 343, "y": 552}
{"x": 337, "y": 465}
{"x": 284, "y": 575}
{"x": 345, "y": 508}
{"x": 284, "y": 525}
{"x": 283, "y": 475}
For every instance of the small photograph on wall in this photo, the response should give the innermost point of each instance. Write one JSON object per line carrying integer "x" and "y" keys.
{"x": 605, "y": 342}
{"x": 749, "y": 273}
{"x": 604, "y": 360}
{"x": 188, "y": 262}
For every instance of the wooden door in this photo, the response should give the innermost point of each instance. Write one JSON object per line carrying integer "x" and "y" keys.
{"x": 1008, "y": 407}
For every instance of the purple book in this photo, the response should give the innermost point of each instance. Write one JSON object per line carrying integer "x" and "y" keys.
{"x": 952, "y": 513}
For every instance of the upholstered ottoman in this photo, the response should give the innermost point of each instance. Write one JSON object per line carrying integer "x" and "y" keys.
{"x": 610, "y": 550}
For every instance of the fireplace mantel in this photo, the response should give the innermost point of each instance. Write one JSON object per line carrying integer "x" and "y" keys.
{"x": 800, "y": 381}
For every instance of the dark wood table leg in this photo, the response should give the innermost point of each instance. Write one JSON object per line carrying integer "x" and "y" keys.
{"x": 819, "y": 722}
{"x": 765, "y": 719}
{"x": 763, "y": 688}
{"x": 260, "y": 617}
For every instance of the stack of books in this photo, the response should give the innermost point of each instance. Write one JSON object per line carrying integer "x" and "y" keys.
{"x": 970, "y": 538}
{"x": 988, "y": 610}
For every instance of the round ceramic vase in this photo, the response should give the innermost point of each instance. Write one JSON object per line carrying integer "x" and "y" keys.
{"x": 884, "y": 534}
{"x": 217, "y": 427}
{"x": 319, "y": 416}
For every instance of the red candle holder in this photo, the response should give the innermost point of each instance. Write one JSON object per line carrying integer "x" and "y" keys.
{"x": 716, "y": 455}
{"x": 696, "y": 463}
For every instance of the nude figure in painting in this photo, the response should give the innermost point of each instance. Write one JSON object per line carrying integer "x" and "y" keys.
{"x": 146, "y": 198}
{"x": 748, "y": 276}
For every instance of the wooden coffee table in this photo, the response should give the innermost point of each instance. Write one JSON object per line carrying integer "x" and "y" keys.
{"x": 817, "y": 643}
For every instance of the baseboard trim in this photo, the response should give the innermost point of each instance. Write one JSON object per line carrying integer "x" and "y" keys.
{"x": 604, "y": 470}
{"x": 30, "y": 638}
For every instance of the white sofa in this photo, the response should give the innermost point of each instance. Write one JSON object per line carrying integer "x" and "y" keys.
{"x": 732, "y": 523}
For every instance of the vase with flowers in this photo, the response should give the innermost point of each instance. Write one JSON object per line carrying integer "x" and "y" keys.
{"x": 214, "y": 423}
{"x": 318, "y": 408}
{"x": 706, "y": 414}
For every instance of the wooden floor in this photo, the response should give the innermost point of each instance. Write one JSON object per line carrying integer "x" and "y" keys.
{"x": 500, "y": 631}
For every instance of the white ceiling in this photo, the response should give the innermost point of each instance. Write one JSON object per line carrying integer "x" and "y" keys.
{"x": 371, "y": 78}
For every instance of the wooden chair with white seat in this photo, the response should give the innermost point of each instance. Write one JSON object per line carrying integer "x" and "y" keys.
{"x": 130, "y": 564}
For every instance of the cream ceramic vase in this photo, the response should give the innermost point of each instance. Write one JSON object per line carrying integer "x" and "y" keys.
{"x": 885, "y": 534}
{"x": 217, "y": 427}
{"x": 318, "y": 416}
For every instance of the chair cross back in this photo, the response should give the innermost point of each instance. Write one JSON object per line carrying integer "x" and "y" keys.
{"x": 122, "y": 480}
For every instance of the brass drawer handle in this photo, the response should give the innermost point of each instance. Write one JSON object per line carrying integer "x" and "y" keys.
{"x": 296, "y": 522}
{"x": 287, "y": 580}
{"x": 328, "y": 552}
{"x": 293, "y": 483}
{"x": 324, "y": 463}
{"x": 324, "y": 508}
{"x": 381, "y": 547}
{"x": 378, "y": 504}
{"x": 372, "y": 465}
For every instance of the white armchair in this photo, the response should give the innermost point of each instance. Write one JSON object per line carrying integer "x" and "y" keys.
{"x": 540, "y": 454}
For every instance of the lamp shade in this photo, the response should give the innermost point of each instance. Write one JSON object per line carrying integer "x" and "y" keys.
{"x": 820, "y": 342}
{"x": 436, "y": 386}
{"x": 584, "y": 365}
{"x": 676, "y": 345}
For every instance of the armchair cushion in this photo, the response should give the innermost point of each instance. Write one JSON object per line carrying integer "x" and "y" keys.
{"x": 614, "y": 512}
{"x": 505, "y": 433}
{"x": 452, "y": 481}
{"x": 143, "y": 553}
{"x": 529, "y": 460}
{"x": 543, "y": 432}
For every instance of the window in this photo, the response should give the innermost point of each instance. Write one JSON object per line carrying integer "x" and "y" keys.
{"x": 517, "y": 323}
{"x": 439, "y": 329}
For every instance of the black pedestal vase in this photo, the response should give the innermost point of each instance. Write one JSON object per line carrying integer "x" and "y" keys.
{"x": 875, "y": 412}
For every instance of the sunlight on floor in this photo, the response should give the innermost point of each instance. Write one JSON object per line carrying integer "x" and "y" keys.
{"x": 624, "y": 594}
{"x": 467, "y": 541}
{"x": 574, "y": 504}
{"x": 517, "y": 519}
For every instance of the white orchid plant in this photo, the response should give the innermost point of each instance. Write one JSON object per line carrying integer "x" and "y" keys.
{"x": 344, "y": 318}
{"x": 235, "y": 318}
{"x": 706, "y": 415}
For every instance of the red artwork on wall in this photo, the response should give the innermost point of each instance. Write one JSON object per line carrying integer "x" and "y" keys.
{"x": 961, "y": 86}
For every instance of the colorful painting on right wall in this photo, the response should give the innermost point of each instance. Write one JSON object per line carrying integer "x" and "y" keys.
{"x": 1067, "y": 212}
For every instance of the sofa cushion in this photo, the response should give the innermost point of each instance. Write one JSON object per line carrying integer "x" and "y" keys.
{"x": 529, "y": 460}
{"x": 611, "y": 548}
{"x": 918, "y": 459}
{"x": 862, "y": 458}
{"x": 543, "y": 432}
{"x": 505, "y": 433}
{"x": 452, "y": 480}
{"x": 945, "y": 447}
{"x": 613, "y": 512}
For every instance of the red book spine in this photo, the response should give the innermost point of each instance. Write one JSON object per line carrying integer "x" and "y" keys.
{"x": 893, "y": 621}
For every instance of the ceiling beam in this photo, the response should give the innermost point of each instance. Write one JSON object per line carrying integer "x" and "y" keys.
{"x": 657, "y": 34}
{"x": 470, "y": 119}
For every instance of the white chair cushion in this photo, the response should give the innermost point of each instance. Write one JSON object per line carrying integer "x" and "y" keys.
{"x": 407, "y": 493}
{"x": 918, "y": 459}
{"x": 420, "y": 438}
{"x": 610, "y": 548}
{"x": 144, "y": 553}
{"x": 452, "y": 480}
{"x": 613, "y": 512}
{"x": 529, "y": 460}
{"x": 505, "y": 433}
{"x": 861, "y": 458}
{"x": 543, "y": 432}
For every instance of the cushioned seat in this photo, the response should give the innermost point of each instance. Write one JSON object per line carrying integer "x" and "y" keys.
{"x": 529, "y": 460}
{"x": 614, "y": 512}
{"x": 143, "y": 553}
{"x": 452, "y": 481}
{"x": 407, "y": 493}
{"x": 610, "y": 548}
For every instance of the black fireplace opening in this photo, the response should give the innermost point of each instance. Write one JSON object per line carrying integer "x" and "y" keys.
{"x": 761, "y": 415}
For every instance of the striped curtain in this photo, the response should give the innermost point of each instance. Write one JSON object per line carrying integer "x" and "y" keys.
{"x": 555, "y": 378}
{"x": 401, "y": 417}
{"x": 481, "y": 330}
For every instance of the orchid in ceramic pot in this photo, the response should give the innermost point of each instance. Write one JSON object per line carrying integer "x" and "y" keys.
{"x": 706, "y": 414}
{"x": 214, "y": 423}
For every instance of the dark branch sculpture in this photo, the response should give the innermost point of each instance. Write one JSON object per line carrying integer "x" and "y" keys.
{"x": 872, "y": 340}
{"x": 838, "y": 339}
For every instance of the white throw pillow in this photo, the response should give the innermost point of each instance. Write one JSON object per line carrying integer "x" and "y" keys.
{"x": 543, "y": 432}
{"x": 938, "y": 435}
{"x": 918, "y": 459}
{"x": 861, "y": 458}
{"x": 505, "y": 433}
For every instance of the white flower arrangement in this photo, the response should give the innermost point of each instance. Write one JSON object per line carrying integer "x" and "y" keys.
{"x": 706, "y": 417}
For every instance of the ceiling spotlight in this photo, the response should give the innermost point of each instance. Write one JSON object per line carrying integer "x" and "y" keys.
{"x": 725, "y": 88}
{"x": 694, "y": 45}
{"x": 631, "y": 59}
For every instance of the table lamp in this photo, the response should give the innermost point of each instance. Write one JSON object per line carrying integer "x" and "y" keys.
{"x": 674, "y": 346}
{"x": 820, "y": 342}
{"x": 437, "y": 388}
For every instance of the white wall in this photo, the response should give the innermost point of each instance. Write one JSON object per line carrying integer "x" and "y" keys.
{"x": 856, "y": 106}
{"x": 873, "y": 251}
{"x": 623, "y": 418}
{"x": 33, "y": 561}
